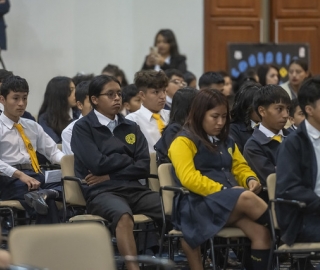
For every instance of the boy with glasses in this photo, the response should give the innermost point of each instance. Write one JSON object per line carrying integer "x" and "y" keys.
{"x": 176, "y": 82}
{"x": 111, "y": 154}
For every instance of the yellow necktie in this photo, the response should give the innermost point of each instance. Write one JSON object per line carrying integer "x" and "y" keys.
{"x": 160, "y": 123}
{"x": 277, "y": 138}
{"x": 29, "y": 147}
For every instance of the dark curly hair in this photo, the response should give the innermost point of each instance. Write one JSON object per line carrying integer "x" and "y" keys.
{"x": 150, "y": 79}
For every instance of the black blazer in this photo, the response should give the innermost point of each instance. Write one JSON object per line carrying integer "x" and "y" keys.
{"x": 123, "y": 154}
{"x": 260, "y": 153}
{"x": 296, "y": 178}
{"x": 240, "y": 134}
{"x": 176, "y": 62}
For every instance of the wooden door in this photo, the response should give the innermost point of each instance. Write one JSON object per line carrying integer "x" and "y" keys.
{"x": 228, "y": 21}
{"x": 297, "y": 21}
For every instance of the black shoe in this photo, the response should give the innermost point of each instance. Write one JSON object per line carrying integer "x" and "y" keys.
{"x": 36, "y": 200}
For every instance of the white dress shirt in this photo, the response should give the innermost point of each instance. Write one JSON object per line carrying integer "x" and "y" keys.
{"x": 148, "y": 125}
{"x": 13, "y": 150}
{"x": 268, "y": 132}
{"x": 103, "y": 120}
{"x": 66, "y": 137}
{"x": 314, "y": 136}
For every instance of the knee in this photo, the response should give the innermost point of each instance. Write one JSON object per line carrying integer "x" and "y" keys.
{"x": 246, "y": 197}
{"x": 125, "y": 222}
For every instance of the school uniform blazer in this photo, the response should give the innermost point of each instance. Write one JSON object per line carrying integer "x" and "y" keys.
{"x": 260, "y": 152}
{"x": 163, "y": 145}
{"x": 296, "y": 178}
{"x": 240, "y": 134}
{"x": 123, "y": 154}
{"x": 176, "y": 62}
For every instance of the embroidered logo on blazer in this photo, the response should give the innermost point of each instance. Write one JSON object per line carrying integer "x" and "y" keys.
{"x": 130, "y": 138}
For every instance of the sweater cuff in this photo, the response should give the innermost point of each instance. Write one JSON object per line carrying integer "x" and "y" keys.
{"x": 251, "y": 178}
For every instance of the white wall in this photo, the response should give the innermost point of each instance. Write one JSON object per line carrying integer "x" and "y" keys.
{"x": 50, "y": 38}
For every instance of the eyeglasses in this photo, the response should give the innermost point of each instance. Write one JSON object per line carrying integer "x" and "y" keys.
{"x": 178, "y": 82}
{"x": 112, "y": 94}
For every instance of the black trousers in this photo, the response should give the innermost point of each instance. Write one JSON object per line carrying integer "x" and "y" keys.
{"x": 13, "y": 189}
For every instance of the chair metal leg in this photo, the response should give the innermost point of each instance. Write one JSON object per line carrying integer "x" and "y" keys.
{"x": 212, "y": 255}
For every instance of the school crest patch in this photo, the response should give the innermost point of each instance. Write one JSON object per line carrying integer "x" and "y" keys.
{"x": 130, "y": 138}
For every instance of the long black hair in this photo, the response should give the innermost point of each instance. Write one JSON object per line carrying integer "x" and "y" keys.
{"x": 171, "y": 39}
{"x": 56, "y": 105}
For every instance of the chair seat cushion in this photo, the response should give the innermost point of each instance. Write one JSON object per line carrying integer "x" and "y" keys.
{"x": 230, "y": 232}
{"x": 86, "y": 218}
{"x": 12, "y": 204}
{"x": 301, "y": 246}
{"x": 141, "y": 219}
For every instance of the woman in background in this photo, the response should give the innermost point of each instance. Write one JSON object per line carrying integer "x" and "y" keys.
{"x": 56, "y": 110}
{"x": 298, "y": 72}
{"x": 165, "y": 53}
{"x": 268, "y": 74}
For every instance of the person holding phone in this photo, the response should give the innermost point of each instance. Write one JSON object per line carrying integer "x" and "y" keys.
{"x": 165, "y": 53}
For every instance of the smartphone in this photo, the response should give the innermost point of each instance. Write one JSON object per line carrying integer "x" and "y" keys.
{"x": 153, "y": 50}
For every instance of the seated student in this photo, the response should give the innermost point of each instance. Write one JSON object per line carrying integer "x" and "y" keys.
{"x": 298, "y": 174}
{"x": 113, "y": 70}
{"x": 227, "y": 89}
{"x": 151, "y": 117}
{"x": 131, "y": 100}
{"x": 176, "y": 82}
{"x": 190, "y": 79}
{"x": 82, "y": 77}
{"x": 20, "y": 139}
{"x": 3, "y": 75}
{"x": 56, "y": 110}
{"x": 296, "y": 115}
{"x": 272, "y": 104}
{"x": 211, "y": 80}
{"x": 181, "y": 104}
{"x": 84, "y": 105}
{"x": 243, "y": 117}
{"x": 218, "y": 194}
{"x": 114, "y": 152}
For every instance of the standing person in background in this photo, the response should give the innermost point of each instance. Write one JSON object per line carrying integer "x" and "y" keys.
{"x": 268, "y": 74}
{"x": 4, "y": 8}
{"x": 165, "y": 53}
{"x": 56, "y": 110}
{"x": 298, "y": 72}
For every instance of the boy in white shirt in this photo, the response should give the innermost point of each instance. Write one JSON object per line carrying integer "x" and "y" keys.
{"x": 151, "y": 117}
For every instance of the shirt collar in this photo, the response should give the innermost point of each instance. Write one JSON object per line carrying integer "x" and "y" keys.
{"x": 268, "y": 132}
{"x": 213, "y": 139}
{"x": 312, "y": 131}
{"x": 103, "y": 120}
{"x": 253, "y": 124}
{"x": 8, "y": 122}
{"x": 148, "y": 114}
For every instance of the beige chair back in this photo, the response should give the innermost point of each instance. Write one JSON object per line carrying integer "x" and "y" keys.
{"x": 166, "y": 179}
{"x": 72, "y": 190}
{"x": 153, "y": 182}
{"x": 59, "y": 145}
{"x": 271, "y": 184}
{"x": 62, "y": 246}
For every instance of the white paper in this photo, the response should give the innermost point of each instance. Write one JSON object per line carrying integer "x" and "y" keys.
{"x": 237, "y": 55}
{"x": 53, "y": 176}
